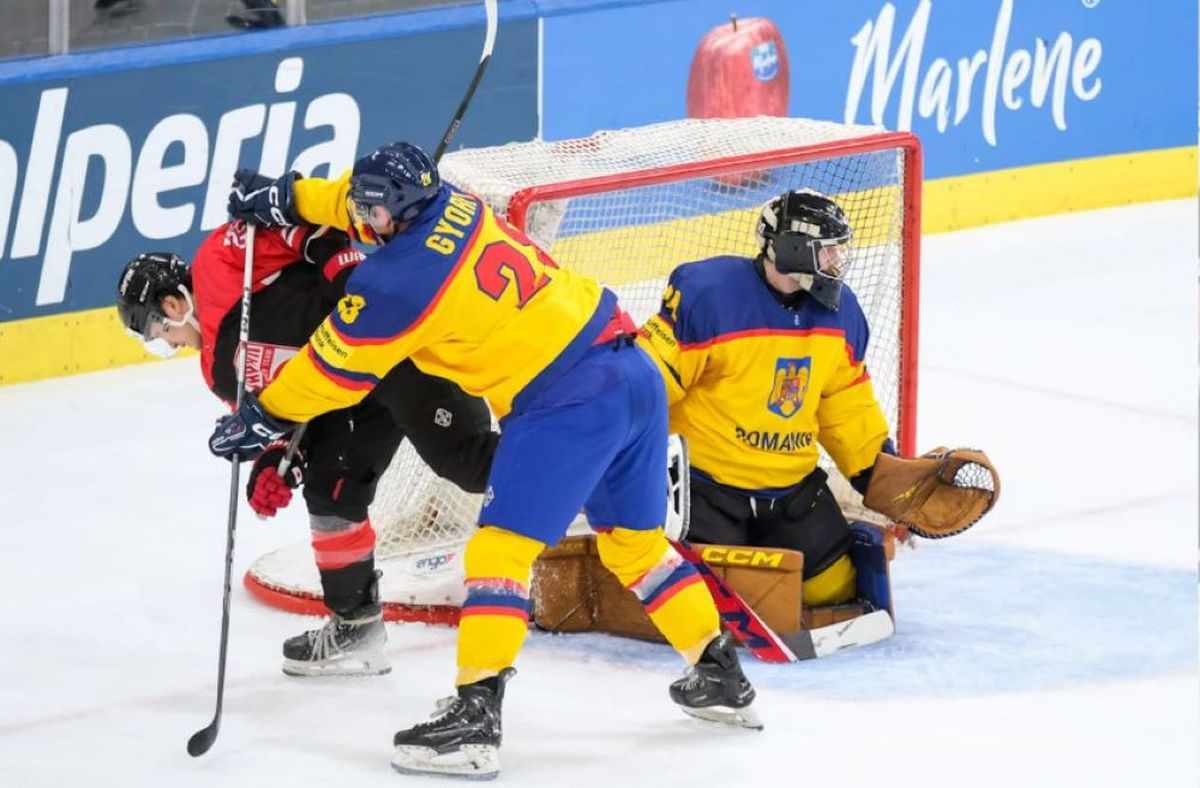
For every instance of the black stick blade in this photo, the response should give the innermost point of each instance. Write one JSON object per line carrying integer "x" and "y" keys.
{"x": 202, "y": 740}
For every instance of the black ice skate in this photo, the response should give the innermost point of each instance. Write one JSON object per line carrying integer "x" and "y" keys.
{"x": 349, "y": 644}
{"x": 715, "y": 689}
{"x": 463, "y": 738}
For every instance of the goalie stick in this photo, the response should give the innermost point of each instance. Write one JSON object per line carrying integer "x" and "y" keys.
{"x": 768, "y": 645}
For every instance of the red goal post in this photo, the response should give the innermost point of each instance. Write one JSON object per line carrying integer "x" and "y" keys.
{"x": 905, "y": 430}
{"x": 626, "y": 207}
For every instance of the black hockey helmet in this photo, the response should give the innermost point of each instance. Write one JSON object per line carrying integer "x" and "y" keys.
{"x": 144, "y": 281}
{"x": 401, "y": 177}
{"x": 791, "y": 231}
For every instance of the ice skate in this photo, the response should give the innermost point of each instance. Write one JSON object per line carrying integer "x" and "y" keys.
{"x": 347, "y": 645}
{"x": 715, "y": 689}
{"x": 462, "y": 739}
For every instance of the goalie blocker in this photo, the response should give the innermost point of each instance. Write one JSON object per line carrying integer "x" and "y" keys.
{"x": 573, "y": 592}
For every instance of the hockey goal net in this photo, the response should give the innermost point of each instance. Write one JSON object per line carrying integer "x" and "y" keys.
{"x": 626, "y": 207}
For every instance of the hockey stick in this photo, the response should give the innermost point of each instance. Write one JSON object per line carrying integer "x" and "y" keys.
{"x": 770, "y": 646}
{"x": 741, "y": 619}
{"x": 489, "y": 41}
{"x": 203, "y": 739}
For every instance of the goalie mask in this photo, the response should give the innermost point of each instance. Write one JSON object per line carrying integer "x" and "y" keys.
{"x": 803, "y": 233}
{"x": 144, "y": 282}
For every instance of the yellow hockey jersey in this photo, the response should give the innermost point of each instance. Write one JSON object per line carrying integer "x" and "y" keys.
{"x": 754, "y": 385}
{"x": 467, "y": 297}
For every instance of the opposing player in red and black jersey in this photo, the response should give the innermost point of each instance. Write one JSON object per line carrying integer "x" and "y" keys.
{"x": 299, "y": 275}
{"x": 763, "y": 359}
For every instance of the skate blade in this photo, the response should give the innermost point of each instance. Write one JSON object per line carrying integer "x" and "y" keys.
{"x": 745, "y": 717}
{"x": 371, "y": 663}
{"x": 470, "y": 761}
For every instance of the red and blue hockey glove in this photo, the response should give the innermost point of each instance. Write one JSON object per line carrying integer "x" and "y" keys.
{"x": 267, "y": 491}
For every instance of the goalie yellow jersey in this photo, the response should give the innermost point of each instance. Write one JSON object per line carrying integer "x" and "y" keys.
{"x": 460, "y": 292}
{"x": 754, "y": 385}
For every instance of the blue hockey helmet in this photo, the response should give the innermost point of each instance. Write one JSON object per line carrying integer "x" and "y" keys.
{"x": 401, "y": 177}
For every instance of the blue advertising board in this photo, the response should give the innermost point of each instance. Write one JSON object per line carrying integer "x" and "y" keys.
{"x": 1022, "y": 107}
{"x": 99, "y": 167}
{"x": 985, "y": 85}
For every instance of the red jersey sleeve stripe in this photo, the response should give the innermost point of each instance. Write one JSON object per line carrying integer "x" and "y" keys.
{"x": 354, "y": 381}
{"x": 762, "y": 332}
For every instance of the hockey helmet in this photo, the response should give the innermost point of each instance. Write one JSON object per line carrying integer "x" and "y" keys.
{"x": 792, "y": 230}
{"x": 145, "y": 280}
{"x": 401, "y": 177}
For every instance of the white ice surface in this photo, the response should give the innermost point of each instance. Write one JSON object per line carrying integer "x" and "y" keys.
{"x": 1053, "y": 645}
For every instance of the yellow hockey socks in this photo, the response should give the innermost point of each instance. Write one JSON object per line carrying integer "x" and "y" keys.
{"x": 669, "y": 587}
{"x": 495, "y": 615}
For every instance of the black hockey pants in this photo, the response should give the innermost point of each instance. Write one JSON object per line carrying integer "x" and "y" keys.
{"x": 348, "y": 450}
{"x": 807, "y": 519}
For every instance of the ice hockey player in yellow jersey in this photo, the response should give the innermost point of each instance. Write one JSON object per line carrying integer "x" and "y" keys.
{"x": 583, "y": 423}
{"x": 763, "y": 360}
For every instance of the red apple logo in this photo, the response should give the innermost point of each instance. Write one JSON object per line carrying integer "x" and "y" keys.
{"x": 740, "y": 70}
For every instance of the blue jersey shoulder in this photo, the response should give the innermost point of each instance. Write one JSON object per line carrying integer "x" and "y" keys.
{"x": 400, "y": 281}
{"x": 710, "y": 292}
{"x": 722, "y": 296}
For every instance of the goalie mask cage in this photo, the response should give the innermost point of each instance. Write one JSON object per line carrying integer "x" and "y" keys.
{"x": 626, "y": 207}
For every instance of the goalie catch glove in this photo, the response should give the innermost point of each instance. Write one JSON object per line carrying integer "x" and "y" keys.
{"x": 939, "y": 494}
{"x": 268, "y": 491}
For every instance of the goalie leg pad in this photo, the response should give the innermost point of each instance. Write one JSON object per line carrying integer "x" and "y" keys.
{"x": 871, "y": 553}
{"x": 768, "y": 579}
{"x": 573, "y": 592}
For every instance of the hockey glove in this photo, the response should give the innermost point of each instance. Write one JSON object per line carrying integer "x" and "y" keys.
{"x": 247, "y": 431}
{"x": 263, "y": 201}
{"x": 267, "y": 491}
{"x": 941, "y": 493}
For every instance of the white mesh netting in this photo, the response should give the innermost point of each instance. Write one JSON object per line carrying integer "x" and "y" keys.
{"x": 637, "y": 203}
